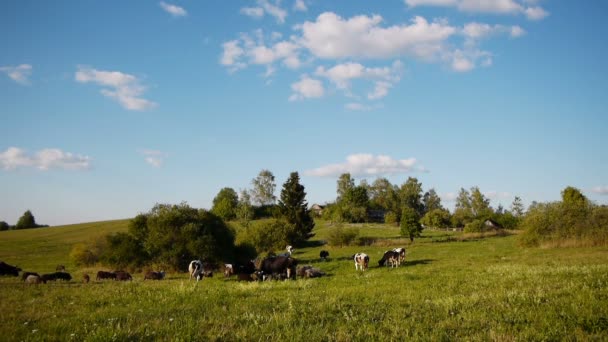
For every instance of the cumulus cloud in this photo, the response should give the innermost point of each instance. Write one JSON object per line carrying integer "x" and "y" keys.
{"x": 477, "y": 31}
{"x": 45, "y": 159}
{"x": 300, "y": 5}
{"x": 174, "y": 10}
{"x": 487, "y": 6}
{"x": 124, "y": 88}
{"x": 602, "y": 190}
{"x": 306, "y": 88}
{"x": 253, "y": 49}
{"x": 266, "y": 7}
{"x": 360, "y": 165}
{"x": 154, "y": 157}
{"x": 19, "y": 73}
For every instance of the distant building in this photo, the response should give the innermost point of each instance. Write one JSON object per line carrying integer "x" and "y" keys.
{"x": 317, "y": 209}
{"x": 376, "y": 215}
{"x": 491, "y": 224}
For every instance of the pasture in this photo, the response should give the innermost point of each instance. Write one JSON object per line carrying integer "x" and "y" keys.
{"x": 452, "y": 287}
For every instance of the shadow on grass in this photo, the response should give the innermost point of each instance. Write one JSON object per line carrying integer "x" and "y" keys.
{"x": 418, "y": 262}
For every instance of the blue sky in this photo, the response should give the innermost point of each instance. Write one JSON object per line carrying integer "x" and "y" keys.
{"x": 108, "y": 107}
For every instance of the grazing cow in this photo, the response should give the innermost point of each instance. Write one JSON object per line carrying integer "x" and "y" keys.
{"x": 101, "y": 275}
{"x": 389, "y": 257}
{"x": 34, "y": 279}
{"x": 155, "y": 275}
{"x": 60, "y": 268}
{"x": 361, "y": 261}
{"x": 401, "y": 251}
{"x": 278, "y": 266}
{"x": 86, "y": 278}
{"x": 26, "y": 274}
{"x": 308, "y": 271}
{"x": 6, "y": 269}
{"x": 228, "y": 270}
{"x": 289, "y": 249}
{"x": 196, "y": 269}
{"x": 57, "y": 275}
{"x": 123, "y": 276}
{"x": 324, "y": 255}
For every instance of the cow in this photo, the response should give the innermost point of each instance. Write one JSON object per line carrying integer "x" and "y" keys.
{"x": 57, "y": 275}
{"x": 34, "y": 279}
{"x": 401, "y": 251}
{"x": 324, "y": 255}
{"x": 278, "y": 266}
{"x": 196, "y": 269}
{"x": 86, "y": 278}
{"x": 6, "y": 269}
{"x": 123, "y": 276}
{"x": 389, "y": 257}
{"x": 308, "y": 271}
{"x": 26, "y": 274}
{"x": 101, "y": 275}
{"x": 155, "y": 275}
{"x": 289, "y": 249}
{"x": 60, "y": 268}
{"x": 228, "y": 270}
{"x": 361, "y": 261}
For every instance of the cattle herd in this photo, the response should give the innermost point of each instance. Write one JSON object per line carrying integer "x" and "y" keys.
{"x": 279, "y": 267}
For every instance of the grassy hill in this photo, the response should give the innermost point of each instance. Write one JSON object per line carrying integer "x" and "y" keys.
{"x": 452, "y": 287}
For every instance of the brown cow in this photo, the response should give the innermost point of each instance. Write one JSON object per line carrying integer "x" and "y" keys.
{"x": 101, "y": 275}
{"x": 155, "y": 275}
{"x": 86, "y": 278}
{"x": 123, "y": 276}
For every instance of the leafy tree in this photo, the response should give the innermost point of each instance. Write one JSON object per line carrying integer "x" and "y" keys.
{"x": 480, "y": 204}
{"x": 410, "y": 225}
{"x": 463, "y": 212}
{"x": 345, "y": 183}
{"x": 294, "y": 209}
{"x": 517, "y": 207}
{"x": 410, "y": 194}
{"x": 4, "y": 226}
{"x": 573, "y": 197}
{"x": 124, "y": 250}
{"x": 340, "y": 236}
{"x": 263, "y": 188}
{"x": 225, "y": 204}
{"x": 431, "y": 201}
{"x": 26, "y": 221}
{"x": 383, "y": 195}
{"x": 354, "y": 204}
{"x": 244, "y": 209}
{"x": 436, "y": 218}
{"x": 267, "y": 236}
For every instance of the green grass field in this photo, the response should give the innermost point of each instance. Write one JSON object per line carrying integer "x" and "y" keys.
{"x": 451, "y": 288}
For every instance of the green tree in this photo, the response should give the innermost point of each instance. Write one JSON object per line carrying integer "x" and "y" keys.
{"x": 345, "y": 183}
{"x": 431, "y": 201}
{"x": 244, "y": 209}
{"x": 517, "y": 207}
{"x": 410, "y": 223}
{"x": 26, "y": 221}
{"x": 410, "y": 195}
{"x": 383, "y": 195}
{"x": 294, "y": 209}
{"x": 480, "y": 204}
{"x": 124, "y": 250}
{"x": 263, "y": 188}
{"x": 225, "y": 203}
{"x": 354, "y": 204}
{"x": 4, "y": 226}
{"x": 436, "y": 218}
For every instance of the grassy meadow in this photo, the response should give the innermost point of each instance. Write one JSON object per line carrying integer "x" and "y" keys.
{"x": 452, "y": 287}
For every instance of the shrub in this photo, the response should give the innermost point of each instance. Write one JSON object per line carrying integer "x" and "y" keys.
{"x": 88, "y": 254}
{"x": 410, "y": 224}
{"x": 124, "y": 251}
{"x": 390, "y": 218}
{"x": 340, "y": 236}
{"x": 267, "y": 236}
{"x": 475, "y": 226}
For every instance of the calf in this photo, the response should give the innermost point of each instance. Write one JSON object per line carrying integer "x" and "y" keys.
{"x": 123, "y": 276}
{"x": 155, "y": 275}
{"x": 26, "y": 274}
{"x": 101, "y": 275}
{"x": 308, "y": 271}
{"x": 324, "y": 255}
{"x": 289, "y": 249}
{"x": 6, "y": 269}
{"x": 86, "y": 278}
{"x": 34, "y": 279}
{"x": 57, "y": 275}
{"x": 389, "y": 257}
{"x": 361, "y": 261}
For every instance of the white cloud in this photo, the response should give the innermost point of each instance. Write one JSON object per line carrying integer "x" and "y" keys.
{"x": 174, "y": 10}
{"x": 536, "y": 13}
{"x": 254, "y": 12}
{"x": 250, "y": 49}
{"x": 266, "y": 7}
{"x": 380, "y": 90}
{"x": 517, "y": 31}
{"x": 360, "y": 165}
{"x": 602, "y": 190}
{"x": 487, "y": 6}
{"x": 300, "y": 5}
{"x": 124, "y": 88}
{"x": 332, "y": 37}
{"x": 449, "y": 196}
{"x": 45, "y": 159}
{"x": 477, "y": 31}
{"x": 496, "y": 195}
{"x": 154, "y": 157}
{"x": 306, "y": 88}
{"x": 19, "y": 73}
{"x": 462, "y": 63}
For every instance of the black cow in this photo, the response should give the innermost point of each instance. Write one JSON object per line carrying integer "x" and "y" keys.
{"x": 123, "y": 276}
{"x": 324, "y": 255}
{"x": 101, "y": 275}
{"x": 57, "y": 275}
{"x": 279, "y": 266}
{"x": 6, "y": 269}
{"x": 155, "y": 275}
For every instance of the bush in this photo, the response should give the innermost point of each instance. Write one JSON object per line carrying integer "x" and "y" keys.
{"x": 267, "y": 236}
{"x": 340, "y": 236}
{"x": 88, "y": 254}
{"x": 124, "y": 251}
{"x": 475, "y": 226}
{"x": 410, "y": 224}
{"x": 391, "y": 218}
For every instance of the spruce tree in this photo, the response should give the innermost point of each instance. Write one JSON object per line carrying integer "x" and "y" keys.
{"x": 294, "y": 210}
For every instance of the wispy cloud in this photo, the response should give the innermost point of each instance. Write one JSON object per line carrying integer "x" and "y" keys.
{"x": 45, "y": 159}
{"x": 487, "y": 6}
{"x": 602, "y": 190}
{"x": 174, "y": 10}
{"x": 19, "y": 73}
{"x": 154, "y": 157}
{"x": 124, "y": 88}
{"x": 497, "y": 195}
{"x": 300, "y": 5}
{"x": 360, "y": 165}
{"x": 266, "y": 7}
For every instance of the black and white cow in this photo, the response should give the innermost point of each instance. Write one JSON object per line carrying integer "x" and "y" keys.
{"x": 278, "y": 267}
{"x": 361, "y": 261}
{"x": 196, "y": 269}
{"x": 389, "y": 258}
{"x": 401, "y": 251}
{"x": 6, "y": 269}
{"x": 324, "y": 255}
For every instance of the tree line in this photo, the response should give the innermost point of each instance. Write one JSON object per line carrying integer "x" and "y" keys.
{"x": 26, "y": 221}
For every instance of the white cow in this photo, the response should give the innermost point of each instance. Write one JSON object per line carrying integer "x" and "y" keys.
{"x": 196, "y": 269}
{"x": 361, "y": 261}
